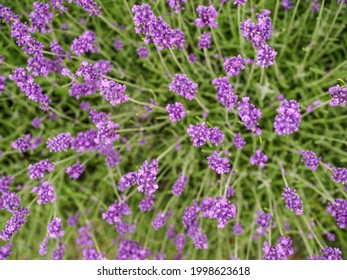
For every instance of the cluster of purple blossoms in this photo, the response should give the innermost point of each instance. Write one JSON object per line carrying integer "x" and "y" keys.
{"x": 10, "y": 201}
{"x": 59, "y": 252}
{"x": 292, "y": 200}
{"x": 339, "y": 211}
{"x": 287, "y": 4}
{"x": 237, "y": 229}
{"x": 176, "y": 111}
{"x": 315, "y": 7}
{"x": 183, "y": 86}
{"x": 160, "y": 219}
{"x": 339, "y": 175}
{"x": 112, "y": 156}
{"x": 288, "y": 119}
{"x": 265, "y": 56}
{"x": 89, "y": 6}
{"x": 338, "y": 95}
{"x": 176, "y": 5}
{"x": 142, "y": 52}
{"x": 180, "y": 184}
{"x": 225, "y": 95}
{"x": 59, "y": 143}
{"x": 5, "y": 251}
{"x": 37, "y": 170}
{"x": 114, "y": 215}
{"x": 107, "y": 132}
{"x": 222, "y": 210}
{"x": 2, "y": 84}
{"x": 156, "y": 29}
{"x": 239, "y": 141}
{"x": 207, "y": 17}
{"x": 41, "y": 18}
{"x": 87, "y": 42}
{"x": 45, "y": 192}
{"x": 180, "y": 242}
{"x": 113, "y": 92}
{"x": 239, "y": 2}
{"x": 127, "y": 180}
{"x": 147, "y": 203}
{"x": 233, "y": 65}
{"x": 205, "y": 41}
{"x": 230, "y": 192}
{"x": 258, "y": 34}
{"x": 281, "y": 251}
{"x": 44, "y": 246}
{"x": 310, "y": 159}
{"x": 118, "y": 44}
{"x": 75, "y": 171}
{"x": 264, "y": 221}
{"x": 259, "y": 158}
{"x": 192, "y": 225}
{"x": 146, "y": 176}
{"x": 54, "y": 228}
{"x": 58, "y": 5}
{"x": 132, "y": 250}
{"x": 219, "y": 164}
{"x": 84, "y": 141}
{"x": 199, "y": 134}
{"x": 27, "y": 84}
{"x": 328, "y": 253}
{"x": 5, "y": 183}
{"x": 22, "y": 144}
{"x": 13, "y": 225}
{"x": 248, "y": 113}
{"x": 215, "y": 136}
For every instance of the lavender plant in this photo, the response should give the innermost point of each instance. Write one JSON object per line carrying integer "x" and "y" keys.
{"x": 173, "y": 129}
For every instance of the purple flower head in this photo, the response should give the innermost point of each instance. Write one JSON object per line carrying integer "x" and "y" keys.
{"x": 292, "y": 200}
{"x": 288, "y": 119}
{"x": 144, "y": 19}
{"x": 183, "y": 86}
{"x": 59, "y": 252}
{"x": 225, "y": 94}
{"x": 207, "y": 16}
{"x": 237, "y": 229}
{"x": 223, "y": 211}
{"x": 118, "y": 44}
{"x": 45, "y": 192}
{"x": 146, "y": 176}
{"x": 215, "y": 136}
{"x": 265, "y": 56}
{"x": 89, "y": 6}
{"x": 219, "y": 164}
{"x": 178, "y": 187}
{"x": 5, "y": 251}
{"x": 339, "y": 211}
{"x": 146, "y": 203}
{"x": 5, "y": 183}
{"x": 2, "y": 84}
{"x": 40, "y": 18}
{"x": 10, "y": 201}
{"x": 107, "y": 132}
{"x": 160, "y": 219}
{"x": 113, "y": 92}
{"x": 22, "y": 144}
{"x": 132, "y": 250}
{"x": 328, "y": 253}
{"x": 114, "y": 215}
{"x": 259, "y": 158}
{"x": 13, "y": 225}
{"x": 192, "y": 57}
{"x": 338, "y": 95}
{"x": 239, "y": 141}
{"x": 339, "y": 175}
{"x": 199, "y": 134}
{"x": 287, "y": 4}
{"x": 87, "y": 42}
{"x": 310, "y": 159}
{"x": 142, "y": 52}
{"x": 281, "y": 251}
{"x": 75, "y": 171}
{"x": 205, "y": 41}
{"x": 240, "y": 2}
{"x": 58, "y": 5}
{"x": 180, "y": 242}
{"x": 190, "y": 218}
{"x": 200, "y": 239}
{"x": 230, "y": 192}
{"x": 37, "y": 170}
{"x": 233, "y": 65}
{"x": 36, "y": 122}
{"x": 315, "y": 7}
{"x": 264, "y": 222}
{"x": 176, "y": 111}
{"x": 248, "y": 113}
{"x": 59, "y": 143}
{"x": 176, "y": 5}
{"x": 127, "y": 180}
{"x": 54, "y": 228}
{"x": 44, "y": 246}
{"x": 84, "y": 141}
